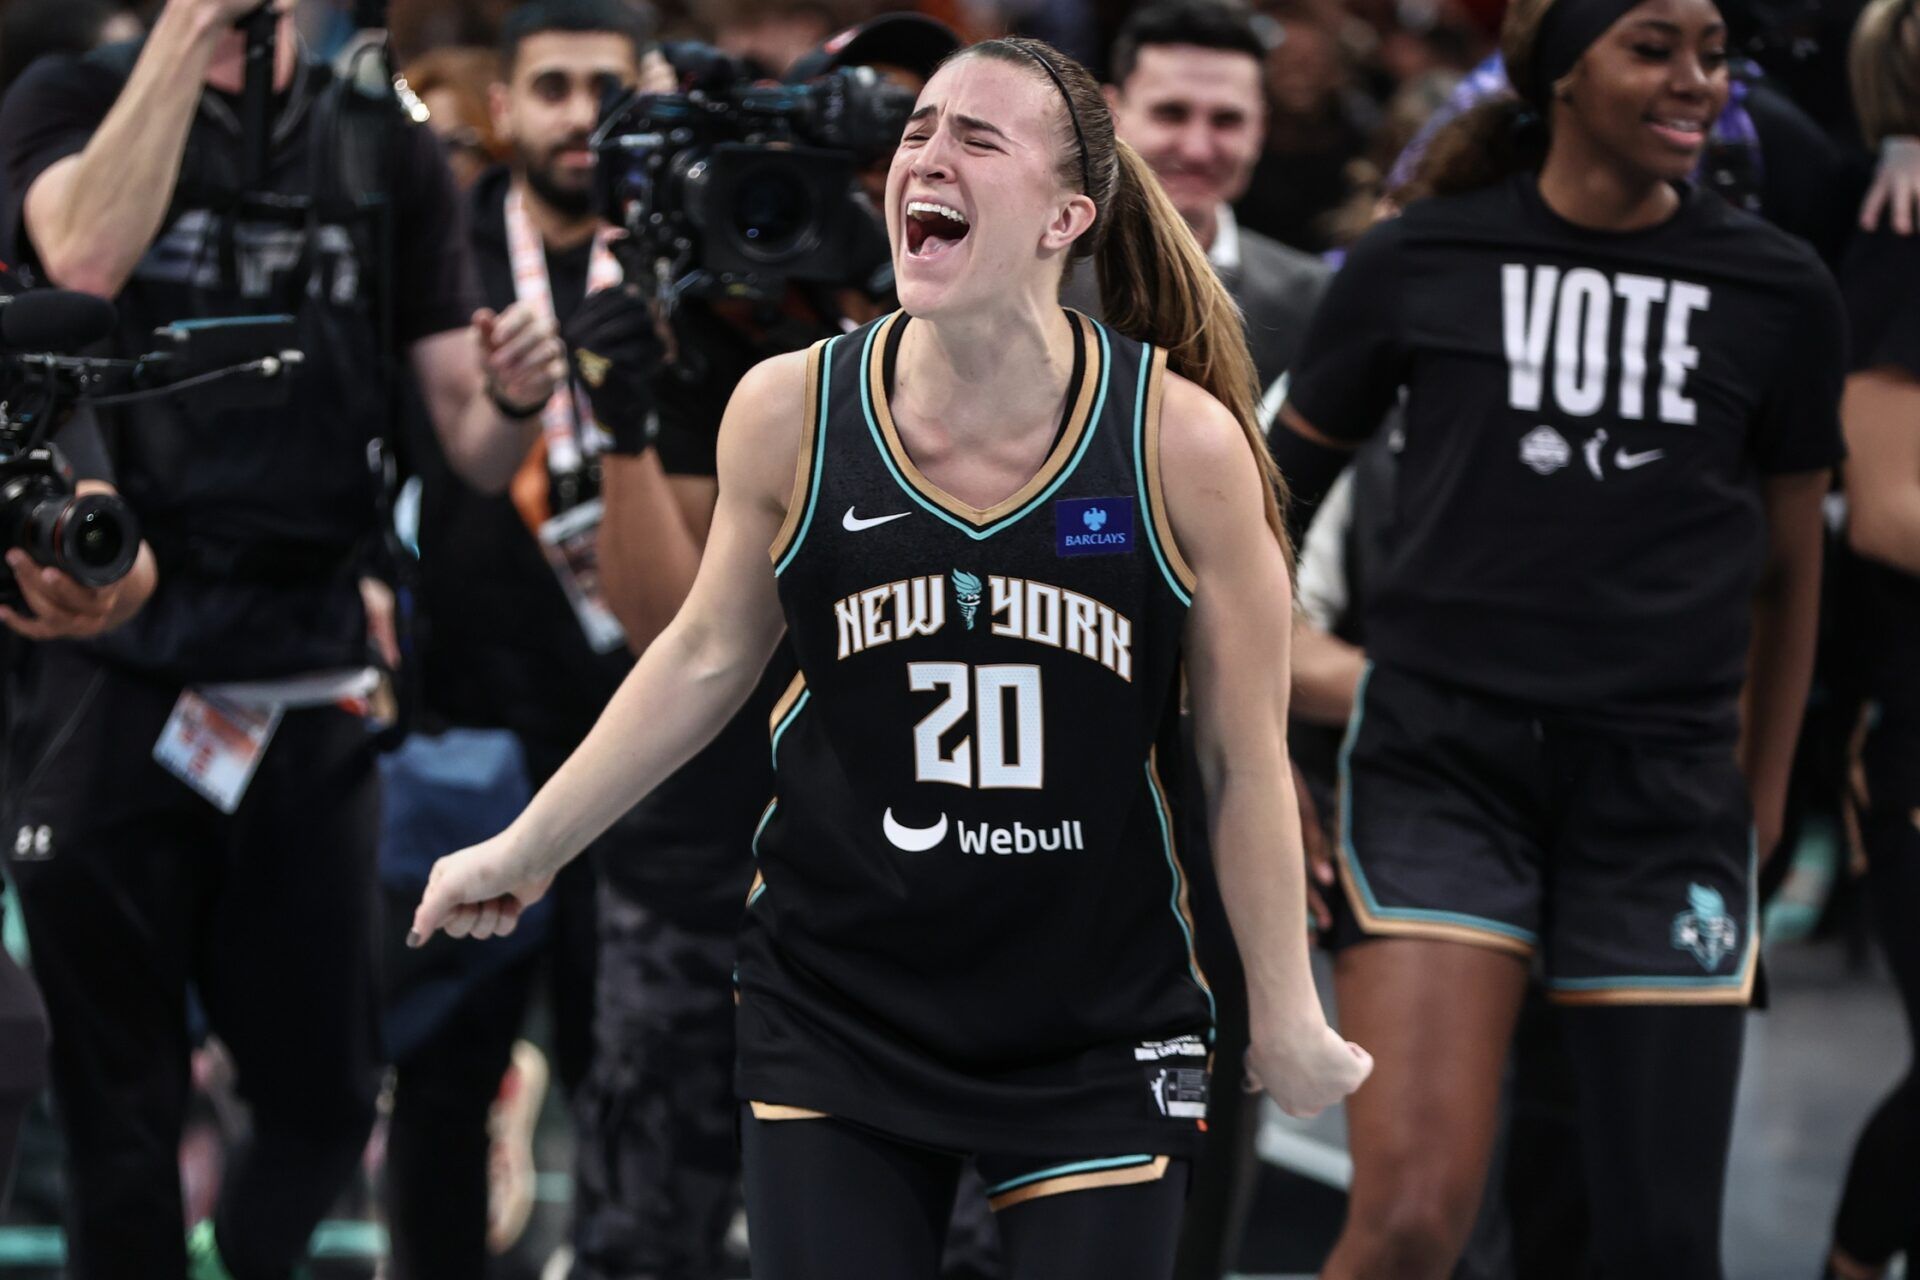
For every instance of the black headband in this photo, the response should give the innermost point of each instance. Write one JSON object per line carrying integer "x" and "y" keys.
{"x": 1053, "y": 73}
{"x": 1567, "y": 30}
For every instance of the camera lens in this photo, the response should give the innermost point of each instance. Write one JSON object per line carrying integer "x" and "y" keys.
{"x": 96, "y": 539}
{"x": 93, "y": 539}
{"x": 772, "y": 212}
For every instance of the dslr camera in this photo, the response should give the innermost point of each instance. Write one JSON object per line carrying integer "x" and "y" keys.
{"x": 732, "y": 189}
{"x": 95, "y": 537}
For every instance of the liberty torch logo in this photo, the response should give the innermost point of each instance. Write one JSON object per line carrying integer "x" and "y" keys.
{"x": 1705, "y": 929}
{"x": 966, "y": 594}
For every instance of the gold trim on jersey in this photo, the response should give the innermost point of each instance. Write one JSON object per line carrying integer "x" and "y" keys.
{"x": 780, "y": 1111}
{"x": 1150, "y": 451}
{"x": 1185, "y": 907}
{"x": 1126, "y": 1177}
{"x": 787, "y": 699}
{"x": 1057, "y": 460}
{"x": 803, "y": 468}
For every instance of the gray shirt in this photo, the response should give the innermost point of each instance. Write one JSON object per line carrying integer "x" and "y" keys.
{"x": 1277, "y": 289}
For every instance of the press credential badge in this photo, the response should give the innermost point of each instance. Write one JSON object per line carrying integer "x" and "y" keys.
{"x": 214, "y": 745}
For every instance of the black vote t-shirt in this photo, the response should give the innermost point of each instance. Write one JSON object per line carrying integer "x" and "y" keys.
{"x": 1880, "y": 278}
{"x": 261, "y": 519}
{"x": 1579, "y": 522}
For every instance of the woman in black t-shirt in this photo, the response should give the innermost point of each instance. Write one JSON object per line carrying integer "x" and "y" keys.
{"x": 1620, "y": 423}
{"x": 1880, "y": 1212}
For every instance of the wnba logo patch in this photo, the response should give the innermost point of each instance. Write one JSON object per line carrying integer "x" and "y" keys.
{"x": 1093, "y": 526}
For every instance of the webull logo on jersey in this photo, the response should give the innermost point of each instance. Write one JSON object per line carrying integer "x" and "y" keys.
{"x": 1018, "y": 609}
{"x": 1705, "y": 929}
{"x": 1093, "y": 526}
{"x": 982, "y": 838}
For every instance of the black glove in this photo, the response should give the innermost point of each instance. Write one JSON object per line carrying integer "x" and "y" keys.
{"x": 615, "y": 353}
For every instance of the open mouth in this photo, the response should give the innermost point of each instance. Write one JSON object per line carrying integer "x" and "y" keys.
{"x": 1688, "y": 134}
{"x": 933, "y": 228}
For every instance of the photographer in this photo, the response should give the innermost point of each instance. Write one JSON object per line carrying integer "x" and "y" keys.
{"x": 656, "y": 1119}
{"x": 516, "y": 635}
{"x": 202, "y": 772}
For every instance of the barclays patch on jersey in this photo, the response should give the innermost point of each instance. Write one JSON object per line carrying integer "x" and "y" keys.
{"x": 1093, "y": 526}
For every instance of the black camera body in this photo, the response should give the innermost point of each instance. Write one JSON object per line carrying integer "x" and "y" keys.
{"x": 732, "y": 189}
{"x": 93, "y": 537}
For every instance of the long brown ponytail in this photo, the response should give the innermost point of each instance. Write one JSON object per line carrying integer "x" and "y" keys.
{"x": 1156, "y": 284}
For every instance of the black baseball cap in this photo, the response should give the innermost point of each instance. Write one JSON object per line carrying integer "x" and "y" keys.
{"x": 911, "y": 41}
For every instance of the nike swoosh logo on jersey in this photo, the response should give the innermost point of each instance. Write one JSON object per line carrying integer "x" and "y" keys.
{"x": 913, "y": 839}
{"x": 1628, "y": 461}
{"x": 854, "y": 524}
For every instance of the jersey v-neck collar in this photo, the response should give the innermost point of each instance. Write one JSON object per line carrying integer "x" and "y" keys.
{"x": 1082, "y": 418}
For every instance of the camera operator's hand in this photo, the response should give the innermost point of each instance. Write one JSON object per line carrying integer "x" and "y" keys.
{"x": 65, "y": 610}
{"x": 479, "y": 892}
{"x": 522, "y": 355}
{"x": 657, "y": 74}
{"x": 616, "y": 351}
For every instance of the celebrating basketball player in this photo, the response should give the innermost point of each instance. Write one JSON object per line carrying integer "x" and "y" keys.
{"x": 998, "y": 532}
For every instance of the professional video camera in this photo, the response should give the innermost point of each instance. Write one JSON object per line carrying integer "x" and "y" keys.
{"x": 732, "y": 188}
{"x": 94, "y": 537}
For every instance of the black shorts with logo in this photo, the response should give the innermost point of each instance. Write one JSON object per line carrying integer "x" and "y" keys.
{"x": 1625, "y": 864}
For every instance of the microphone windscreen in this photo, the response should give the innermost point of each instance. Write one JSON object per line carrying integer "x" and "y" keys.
{"x": 57, "y": 320}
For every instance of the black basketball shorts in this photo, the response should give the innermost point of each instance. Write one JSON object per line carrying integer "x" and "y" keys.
{"x": 1623, "y": 864}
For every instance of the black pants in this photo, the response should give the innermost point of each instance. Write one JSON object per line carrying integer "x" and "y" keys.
{"x": 1227, "y": 1169}
{"x": 828, "y": 1200}
{"x": 437, "y": 1137}
{"x": 141, "y": 888}
{"x": 1879, "y": 1214}
{"x": 23, "y": 1060}
{"x": 655, "y": 1120}
{"x": 1543, "y": 1189}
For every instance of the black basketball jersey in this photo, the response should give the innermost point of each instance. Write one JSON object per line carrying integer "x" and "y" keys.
{"x": 970, "y": 925}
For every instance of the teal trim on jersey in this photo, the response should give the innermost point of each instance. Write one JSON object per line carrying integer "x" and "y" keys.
{"x": 755, "y": 895}
{"x": 1410, "y": 914}
{"x": 934, "y": 508}
{"x": 32, "y": 1247}
{"x": 786, "y": 723}
{"x": 765, "y": 818}
{"x": 1068, "y": 1170}
{"x": 1708, "y": 982}
{"x": 819, "y": 456}
{"x": 1179, "y": 883}
{"x": 1140, "y": 479}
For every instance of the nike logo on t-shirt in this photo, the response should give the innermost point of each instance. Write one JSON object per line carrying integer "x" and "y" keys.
{"x": 854, "y": 524}
{"x": 1628, "y": 461}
